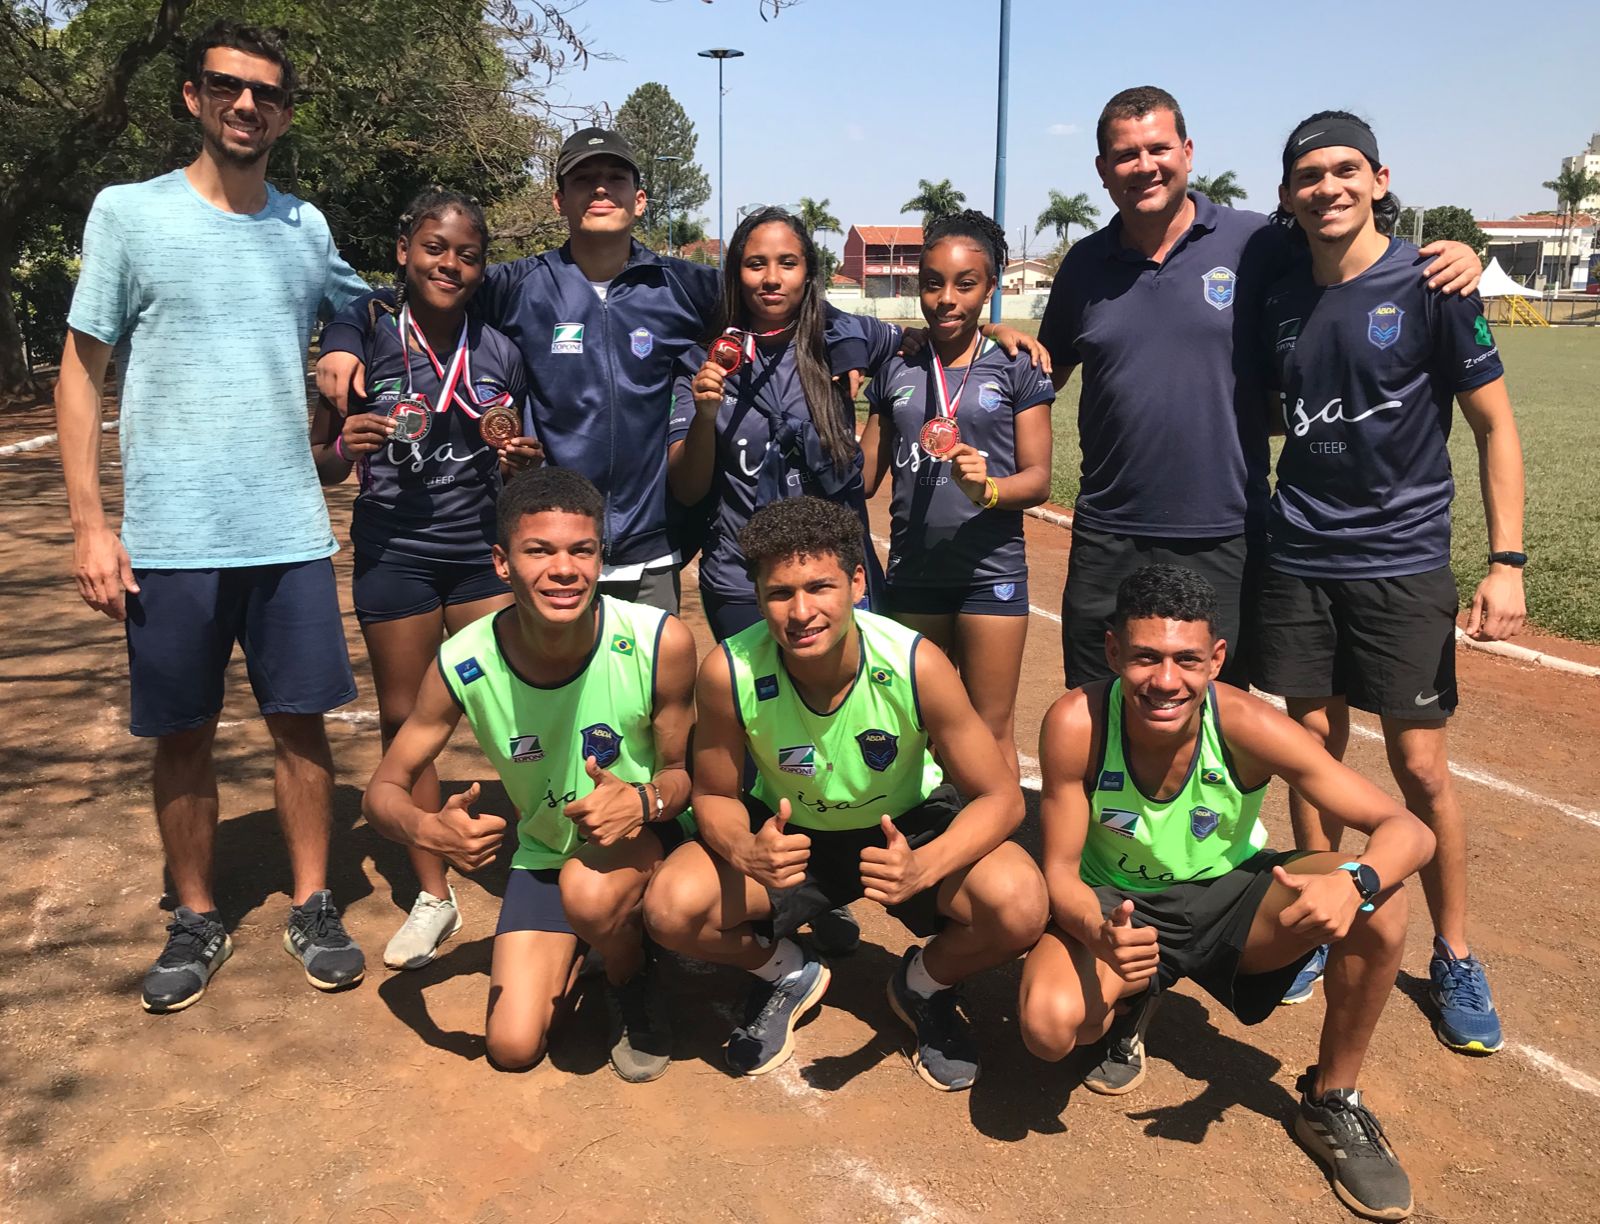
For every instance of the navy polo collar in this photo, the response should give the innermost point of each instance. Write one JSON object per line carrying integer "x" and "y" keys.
{"x": 1205, "y": 220}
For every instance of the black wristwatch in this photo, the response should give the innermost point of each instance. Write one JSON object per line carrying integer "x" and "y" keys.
{"x": 1514, "y": 559}
{"x": 1366, "y": 881}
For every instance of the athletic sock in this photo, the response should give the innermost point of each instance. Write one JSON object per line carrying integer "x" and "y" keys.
{"x": 786, "y": 958}
{"x": 919, "y": 981}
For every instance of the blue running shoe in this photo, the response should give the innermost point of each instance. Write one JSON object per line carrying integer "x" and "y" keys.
{"x": 1467, "y": 1019}
{"x": 766, "y": 1038}
{"x": 1307, "y": 978}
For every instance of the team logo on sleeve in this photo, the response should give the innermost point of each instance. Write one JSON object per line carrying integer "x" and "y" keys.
{"x": 1110, "y": 779}
{"x": 878, "y": 748}
{"x": 602, "y": 743}
{"x": 1123, "y": 824}
{"x": 469, "y": 671}
{"x": 1383, "y": 324}
{"x": 1219, "y": 285}
{"x": 801, "y": 759}
{"x": 641, "y": 342}
{"x": 766, "y": 688}
{"x": 525, "y": 749}
{"x": 882, "y": 676}
{"x": 1203, "y": 822}
{"x": 989, "y": 396}
{"x": 567, "y": 338}
{"x": 622, "y": 645}
{"x": 1481, "y": 332}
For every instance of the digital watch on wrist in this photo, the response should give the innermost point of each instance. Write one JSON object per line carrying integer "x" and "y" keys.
{"x": 1366, "y": 882}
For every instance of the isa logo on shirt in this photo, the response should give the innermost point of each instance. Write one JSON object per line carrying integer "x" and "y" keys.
{"x": 641, "y": 342}
{"x": 567, "y": 338}
{"x": 1219, "y": 284}
{"x": 1383, "y": 324}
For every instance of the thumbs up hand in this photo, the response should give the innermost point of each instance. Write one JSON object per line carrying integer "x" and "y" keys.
{"x": 1131, "y": 950}
{"x": 1321, "y": 907}
{"x": 454, "y": 833}
{"x": 609, "y": 813}
{"x": 893, "y": 874}
{"x": 774, "y": 857}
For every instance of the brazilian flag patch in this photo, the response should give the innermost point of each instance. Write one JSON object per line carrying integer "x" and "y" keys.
{"x": 883, "y": 676}
{"x": 622, "y": 645}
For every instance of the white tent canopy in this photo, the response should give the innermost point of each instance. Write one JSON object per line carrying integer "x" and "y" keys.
{"x": 1497, "y": 283}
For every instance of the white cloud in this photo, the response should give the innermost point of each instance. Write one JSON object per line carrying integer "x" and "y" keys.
{"x": 1062, "y": 129}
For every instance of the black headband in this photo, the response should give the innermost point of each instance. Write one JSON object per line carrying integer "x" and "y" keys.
{"x": 1329, "y": 134}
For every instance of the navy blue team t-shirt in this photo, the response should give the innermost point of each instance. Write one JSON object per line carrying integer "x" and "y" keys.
{"x": 1172, "y": 416}
{"x": 938, "y": 537}
{"x": 434, "y": 498}
{"x": 1366, "y": 372}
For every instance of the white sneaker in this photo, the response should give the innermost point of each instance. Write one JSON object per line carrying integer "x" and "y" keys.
{"x": 430, "y": 922}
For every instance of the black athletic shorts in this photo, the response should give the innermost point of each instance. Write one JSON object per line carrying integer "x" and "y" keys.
{"x": 392, "y": 586}
{"x": 833, "y": 874}
{"x": 1386, "y": 645}
{"x": 1100, "y": 560}
{"x": 959, "y": 599}
{"x": 533, "y": 894}
{"x": 1202, "y": 928}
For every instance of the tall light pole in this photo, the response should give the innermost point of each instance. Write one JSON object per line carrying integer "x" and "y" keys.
{"x": 669, "y": 158}
{"x": 719, "y": 54}
{"x": 1000, "y": 149}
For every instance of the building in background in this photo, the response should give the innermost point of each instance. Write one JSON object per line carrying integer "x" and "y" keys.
{"x": 1589, "y": 162}
{"x": 1530, "y": 247}
{"x": 1026, "y": 276}
{"x": 882, "y": 259}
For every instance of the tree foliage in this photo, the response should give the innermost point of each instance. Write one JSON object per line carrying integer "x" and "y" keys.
{"x": 1572, "y": 187}
{"x": 816, "y": 219}
{"x": 1222, "y": 189}
{"x": 657, "y": 126}
{"x": 1445, "y": 222}
{"x": 1064, "y": 211}
{"x": 935, "y": 200}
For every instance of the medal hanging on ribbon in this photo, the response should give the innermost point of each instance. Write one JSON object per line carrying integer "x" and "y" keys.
{"x": 942, "y": 435}
{"x": 498, "y": 421}
{"x": 737, "y": 346}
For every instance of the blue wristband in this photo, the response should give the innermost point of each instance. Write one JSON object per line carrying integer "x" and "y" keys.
{"x": 1352, "y": 867}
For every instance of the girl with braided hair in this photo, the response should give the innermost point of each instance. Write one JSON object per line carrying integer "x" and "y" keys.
{"x": 966, "y": 431}
{"x": 442, "y": 427}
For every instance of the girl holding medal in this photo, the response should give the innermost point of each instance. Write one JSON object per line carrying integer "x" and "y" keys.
{"x": 966, "y": 429}
{"x": 444, "y": 426}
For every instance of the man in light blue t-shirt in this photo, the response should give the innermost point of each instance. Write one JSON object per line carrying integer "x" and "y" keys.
{"x": 206, "y": 283}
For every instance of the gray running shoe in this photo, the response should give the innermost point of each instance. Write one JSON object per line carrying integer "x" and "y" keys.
{"x": 1343, "y": 1134}
{"x": 945, "y": 1055}
{"x": 197, "y": 945}
{"x": 641, "y": 1033}
{"x": 317, "y": 939}
{"x": 771, "y": 1011}
{"x": 836, "y": 933}
{"x": 1121, "y": 1070}
{"x": 432, "y": 920}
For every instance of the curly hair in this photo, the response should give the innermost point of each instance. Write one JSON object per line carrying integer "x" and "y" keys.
{"x": 547, "y": 488}
{"x": 801, "y": 527}
{"x": 977, "y": 228}
{"x": 1165, "y": 592}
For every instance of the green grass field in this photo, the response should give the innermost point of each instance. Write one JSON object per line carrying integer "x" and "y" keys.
{"x": 1554, "y": 377}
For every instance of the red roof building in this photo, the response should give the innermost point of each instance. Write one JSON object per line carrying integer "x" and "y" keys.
{"x": 883, "y": 258}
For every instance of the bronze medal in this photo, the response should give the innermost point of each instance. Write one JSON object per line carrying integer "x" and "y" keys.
{"x": 499, "y": 425}
{"x": 411, "y": 419}
{"x": 726, "y": 352}
{"x": 939, "y": 437}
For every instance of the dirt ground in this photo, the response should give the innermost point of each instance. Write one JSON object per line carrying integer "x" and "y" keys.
{"x": 271, "y": 1101}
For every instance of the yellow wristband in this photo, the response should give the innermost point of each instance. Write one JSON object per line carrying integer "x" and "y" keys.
{"x": 991, "y": 493}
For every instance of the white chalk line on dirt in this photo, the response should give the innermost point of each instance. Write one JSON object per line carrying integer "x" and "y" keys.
{"x": 44, "y": 440}
{"x": 908, "y": 1205}
{"x": 1552, "y": 1065}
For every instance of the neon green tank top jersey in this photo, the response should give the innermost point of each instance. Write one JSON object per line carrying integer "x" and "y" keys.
{"x": 842, "y": 770}
{"x": 1140, "y": 844}
{"x": 537, "y": 738}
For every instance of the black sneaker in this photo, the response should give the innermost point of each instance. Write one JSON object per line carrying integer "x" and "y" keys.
{"x": 945, "y": 1055}
{"x": 641, "y": 1035}
{"x": 1121, "y": 1068}
{"x": 836, "y": 933}
{"x": 1343, "y": 1134}
{"x": 197, "y": 945}
{"x": 317, "y": 939}
{"x": 772, "y": 1009}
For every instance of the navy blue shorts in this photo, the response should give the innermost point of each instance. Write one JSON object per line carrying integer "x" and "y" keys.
{"x": 984, "y": 599}
{"x": 533, "y": 894}
{"x": 182, "y": 626}
{"x": 392, "y": 585}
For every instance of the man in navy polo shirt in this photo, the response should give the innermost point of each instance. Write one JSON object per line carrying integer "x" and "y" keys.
{"x": 1358, "y": 602}
{"x": 1160, "y": 308}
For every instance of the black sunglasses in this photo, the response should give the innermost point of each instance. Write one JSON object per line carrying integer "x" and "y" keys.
{"x": 226, "y": 88}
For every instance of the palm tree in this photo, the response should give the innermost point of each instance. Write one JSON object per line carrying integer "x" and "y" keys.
{"x": 935, "y": 200}
{"x": 1064, "y": 212}
{"x": 1224, "y": 189}
{"x": 1572, "y": 186}
{"x": 815, "y": 219}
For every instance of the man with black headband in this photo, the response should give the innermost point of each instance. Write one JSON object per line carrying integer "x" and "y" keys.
{"x": 1358, "y": 602}
{"x": 1155, "y": 307}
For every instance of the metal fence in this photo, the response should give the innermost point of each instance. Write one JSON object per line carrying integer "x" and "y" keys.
{"x": 1563, "y": 311}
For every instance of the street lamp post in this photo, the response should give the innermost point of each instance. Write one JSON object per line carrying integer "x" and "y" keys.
{"x": 719, "y": 54}
{"x": 669, "y": 158}
{"x": 1000, "y": 147}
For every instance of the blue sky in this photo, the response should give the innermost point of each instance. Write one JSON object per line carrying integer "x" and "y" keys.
{"x": 855, "y": 100}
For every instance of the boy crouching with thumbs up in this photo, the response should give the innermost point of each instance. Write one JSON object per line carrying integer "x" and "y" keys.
{"x": 1157, "y": 868}
{"x": 582, "y": 704}
{"x": 837, "y": 709}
